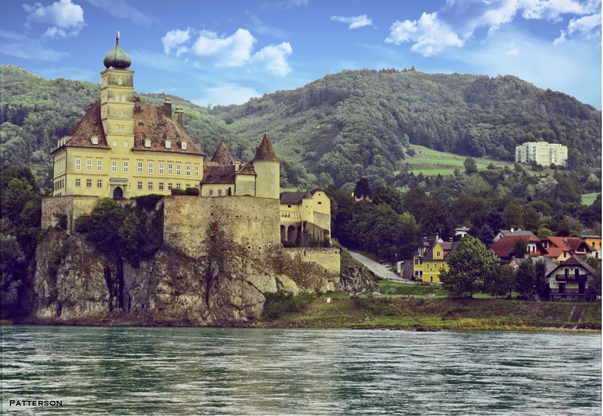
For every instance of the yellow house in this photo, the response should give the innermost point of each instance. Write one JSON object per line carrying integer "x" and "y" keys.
{"x": 298, "y": 207}
{"x": 122, "y": 148}
{"x": 595, "y": 242}
{"x": 434, "y": 260}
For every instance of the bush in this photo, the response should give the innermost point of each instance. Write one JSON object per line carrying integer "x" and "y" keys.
{"x": 192, "y": 191}
{"x": 82, "y": 224}
{"x": 61, "y": 220}
{"x": 148, "y": 202}
{"x": 279, "y": 303}
{"x": 176, "y": 191}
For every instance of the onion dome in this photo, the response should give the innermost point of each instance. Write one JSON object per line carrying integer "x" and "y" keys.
{"x": 117, "y": 58}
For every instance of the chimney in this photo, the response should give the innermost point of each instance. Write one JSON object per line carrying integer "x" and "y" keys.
{"x": 167, "y": 106}
{"x": 180, "y": 116}
{"x": 237, "y": 165}
{"x": 137, "y": 103}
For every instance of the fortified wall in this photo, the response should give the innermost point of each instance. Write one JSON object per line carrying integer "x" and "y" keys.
{"x": 70, "y": 205}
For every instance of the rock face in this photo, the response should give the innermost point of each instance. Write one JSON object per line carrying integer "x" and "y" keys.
{"x": 74, "y": 284}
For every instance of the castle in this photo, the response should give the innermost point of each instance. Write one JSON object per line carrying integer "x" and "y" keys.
{"x": 123, "y": 148}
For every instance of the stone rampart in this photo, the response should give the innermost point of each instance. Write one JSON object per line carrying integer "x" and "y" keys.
{"x": 71, "y": 205}
{"x": 192, "y": 224}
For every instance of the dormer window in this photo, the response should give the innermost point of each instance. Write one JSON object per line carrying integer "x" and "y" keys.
{"x": 94, "y": 139}
{"x": 223, "y": 177}
{"x": 147, "y": 143}
{"x": 183, "y": 145}
{"x": 209, "y": 178}
{"x": 168, "y": 145}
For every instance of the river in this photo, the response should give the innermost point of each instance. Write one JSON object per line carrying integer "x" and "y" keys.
{"x": 209, "y": 371}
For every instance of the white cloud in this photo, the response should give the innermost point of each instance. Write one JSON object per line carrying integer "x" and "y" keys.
{"x": 273, "y": 57}
{"x": 512, "y": 51}
{"x": 24, "y": 47}
{"x": 354, "y": 22}
{"x": 123, "y": 10}
{"x": 65, "y": 18}
{"x": 265, "y": 29}
{"x": 457, "y": 21}
{"x": 173, "y": 38}
{"x": 227, "y": 94}
{"x": 430, "y": 34}
{"x": 587, "y": 26}
{"x": 286, "y": 5}
{"x": 234, "y": 50}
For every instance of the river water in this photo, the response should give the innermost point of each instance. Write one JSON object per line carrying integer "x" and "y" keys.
{"x": 208, "y": 371}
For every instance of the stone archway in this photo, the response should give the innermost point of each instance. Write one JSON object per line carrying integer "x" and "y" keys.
{"x": 292, "y": 234}
{"x": 118, "y": 193}
{"x": 283, "y": 233}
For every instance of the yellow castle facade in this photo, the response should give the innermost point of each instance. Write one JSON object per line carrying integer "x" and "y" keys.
{"x": 123, "y": 148}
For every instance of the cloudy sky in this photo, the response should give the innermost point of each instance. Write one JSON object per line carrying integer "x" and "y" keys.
{"x": 224, "y": 52}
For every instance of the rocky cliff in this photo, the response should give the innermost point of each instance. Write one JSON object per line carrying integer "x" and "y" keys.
{"x": 75, "y": 284}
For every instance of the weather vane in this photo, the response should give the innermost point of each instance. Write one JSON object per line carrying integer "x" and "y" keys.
{"x": 118, "y": 35}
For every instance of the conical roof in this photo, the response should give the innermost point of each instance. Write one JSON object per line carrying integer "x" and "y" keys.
{"x": 265, "y": 152}
{"x": 222, "y": 155}
{"x": 117, "y": 58}
{"x": 307, "y": 195}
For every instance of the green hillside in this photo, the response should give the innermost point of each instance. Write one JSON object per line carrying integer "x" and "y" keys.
{"x": 357, "y": 123}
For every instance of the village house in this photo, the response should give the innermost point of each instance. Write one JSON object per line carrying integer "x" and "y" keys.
{"x": 562, "y": 248}
{"x": 568, "y": 281}
{"x": 503, "y": 248}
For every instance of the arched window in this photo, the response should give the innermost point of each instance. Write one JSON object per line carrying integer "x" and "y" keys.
{"x": 117, "y": 98}
{"x": 114, "y": 143}
{"x": 126, "y": 143}
{"x": 123, "y": 98}
{"x": 119, "y": 81}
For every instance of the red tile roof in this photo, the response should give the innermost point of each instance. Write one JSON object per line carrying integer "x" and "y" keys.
{"x": 504, "y": 246}
{"x": 222, "y": 155}
{"x": 90, "y": 125}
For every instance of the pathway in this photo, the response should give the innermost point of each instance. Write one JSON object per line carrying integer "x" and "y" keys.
{"x": 379, "y": 269}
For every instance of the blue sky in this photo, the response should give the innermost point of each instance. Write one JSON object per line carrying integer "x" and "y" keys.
{"x": 224, "y": 52}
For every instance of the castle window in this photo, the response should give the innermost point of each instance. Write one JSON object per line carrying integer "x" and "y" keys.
{"x": 126, "y": 143}
{"x": 89, "y": 165}
{"x": 114, "y": 166}
{"x": 272, "y": 185}
{"x": 168, "y": 145}
{"x": 99, "y": 183}
{"x": 197, "y": 185}
{"x": 183, "y": 145}
{"x": 188, "y": 170}
{"x": 140, "y": 185}
{"x": 209, "y": 178}
{"x": 188, "y": 185}
{"x": 78, "y": 164}
{"x": 120, "y": 114}
{"x": 178, "y": 169}
{"x": 150, "y": 186}
{"x": 272, "y": 169}
{"x": 223, "y": 177}
{"x": 170, "y": 169}
{"x": 211, "y": 193}
{"x": 78, "y": 183}
{"x": 94, "y": 139}
{"x": 219, "y": 192}
{"x": 119, "y": 81}
{"x": 120, "y": 129}
{"x": 178, "y": 186}
{"x": 88, "y": 183}
{"x": 126, "y": 167}
{"x": 161, "y": 168}
{"x": 253, "y": 185}
{"x": 123, "y": 98}
{"x": 161, "y": 186}
{"x": 139, "y": 167}
{"x": 99, "y": 165}
{"x": 169, "y": 186}
{"x": 147, "y": 143}
{"x": 114, "y": 143}
{"x": 151, "y": 168}
{"x": 117, "y": 98}
{"x": 197, "y": 171}
{"x": 319, "y": 202}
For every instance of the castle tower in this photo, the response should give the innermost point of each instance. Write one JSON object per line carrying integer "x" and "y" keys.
{"x": 117, "y": 101}
{"x": 267, "y": 169}
{"x": 307, "y": 207}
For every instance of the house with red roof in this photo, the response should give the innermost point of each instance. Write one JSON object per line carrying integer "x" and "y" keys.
{"x": 562, "y": 248}
{"x": 504, "y": 246}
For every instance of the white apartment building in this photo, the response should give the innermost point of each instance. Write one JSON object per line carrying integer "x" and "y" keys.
{"x": 542, "y": 153}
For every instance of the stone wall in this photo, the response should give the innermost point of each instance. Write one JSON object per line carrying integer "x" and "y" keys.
{"x": 322, "y": 220}
{"x": 191, "y": 224}
{"x": 72, "y": 205}
{"x": 316, "y": 232}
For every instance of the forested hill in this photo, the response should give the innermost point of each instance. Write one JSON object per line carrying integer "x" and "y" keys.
{"x": 36, "y": 112}
{"x": 357, "y": 123}
{"x": 340, "y": 127}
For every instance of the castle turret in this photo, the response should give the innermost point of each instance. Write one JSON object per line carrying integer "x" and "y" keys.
{"x": 308, "y": 207}
{"x": 267, "y": 169}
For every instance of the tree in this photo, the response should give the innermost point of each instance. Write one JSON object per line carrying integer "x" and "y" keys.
{"x": 470, "y": 166}
{"x": 363, "y": 189}
{"x": 520, "y": 247}
{"x": 486, "y": 235}
{"x": 469, "y": 265}
{"x": 525, "y": 277}
{"x": 501, "y": 282}
{"x": 540, "y": 283}
{"x": 390, "y": 196}
{"x": 436, "y": 219}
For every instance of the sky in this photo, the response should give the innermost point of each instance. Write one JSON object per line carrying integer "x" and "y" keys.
{"x": 225, "y": 52}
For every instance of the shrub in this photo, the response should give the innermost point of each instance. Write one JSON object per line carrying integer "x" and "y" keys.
{"x": 279, "y": 303}
{"x": 193, "y": 191}
{"x": 148, "y": 202}
{"x": 61, "y": 220}
{"x": 176, "y": 191}
{"x": 82, "y": 224}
